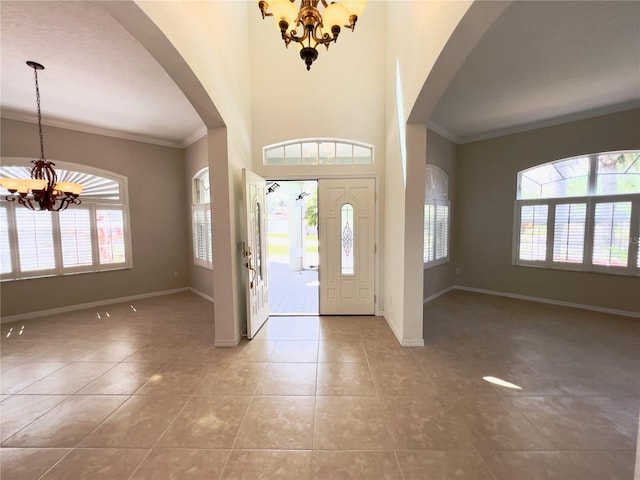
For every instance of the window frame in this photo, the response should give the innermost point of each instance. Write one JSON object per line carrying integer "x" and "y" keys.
{"x": 302, "y": 145}
{"x": 201, "y": 204}
{"x": 436, "y": 201}
{"x": 89, "y": 202}
{"x": 591, "y": 200}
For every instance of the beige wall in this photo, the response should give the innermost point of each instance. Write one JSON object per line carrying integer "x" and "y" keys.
{"x": 486, "y": 191}
{"x": 196, "y": 158}
{"x": 159, "y": 226}
{"x": 442, "y": 152}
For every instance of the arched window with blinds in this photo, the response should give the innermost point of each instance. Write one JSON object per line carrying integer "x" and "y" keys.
{"x": 580, "y": 213}
{"x": 91, "y": 237}
{"x": 436, "y": 217}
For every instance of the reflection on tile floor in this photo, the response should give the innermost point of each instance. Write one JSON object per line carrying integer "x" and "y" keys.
{"x": 143, "y": 394}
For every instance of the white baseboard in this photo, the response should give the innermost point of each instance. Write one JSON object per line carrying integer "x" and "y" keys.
{"x": 592, "y": 308}
{"x": 82, "y": 306}
{"x": 203, "y": 295}
{"x": 405, "y": 342}
{"x": 436, "y": 295}
{"x": 226, "y": 343}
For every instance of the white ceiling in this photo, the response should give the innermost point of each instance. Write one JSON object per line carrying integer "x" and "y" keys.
{"x": 97, "y": 77}
{"x": 540, "y": 63}
{"x": 543, "y": 63}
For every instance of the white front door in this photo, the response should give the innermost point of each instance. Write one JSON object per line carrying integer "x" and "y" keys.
{"x": 255, "y": 251}
{"x": 346, "y": 210}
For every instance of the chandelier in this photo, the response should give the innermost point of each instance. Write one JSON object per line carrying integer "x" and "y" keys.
{"x": 307, "y": 26}
{"x": 42, "y": 191}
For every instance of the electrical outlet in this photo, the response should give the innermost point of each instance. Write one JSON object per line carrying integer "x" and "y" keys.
{"x": 458, "y": 270}
{"x": 176, "y": 274}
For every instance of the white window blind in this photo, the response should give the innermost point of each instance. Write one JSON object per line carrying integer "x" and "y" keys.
{"x": 429, "y": 228}
{"x": 75, "y": 237}
{"x": 533, "y": 233}
{"x": 568, "y": 232}
{"x": 442, "y": 232}
{"x": 612, "y": 222}
{"x": 202, "y": 235}
{"x": 5, "y": 246}
{"x": 35, "y": 240}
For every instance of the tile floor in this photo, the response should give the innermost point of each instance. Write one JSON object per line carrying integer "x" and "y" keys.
{"x": 142, "y": 394}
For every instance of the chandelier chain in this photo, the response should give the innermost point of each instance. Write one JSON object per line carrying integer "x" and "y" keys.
{"x": 35, "y": 73}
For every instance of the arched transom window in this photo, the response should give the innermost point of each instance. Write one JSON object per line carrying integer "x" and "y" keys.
{"x": 318, "y": 152}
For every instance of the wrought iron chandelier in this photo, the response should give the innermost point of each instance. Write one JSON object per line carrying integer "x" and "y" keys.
{"x": 316, "y": 28}
{"x": 42, "y": 191}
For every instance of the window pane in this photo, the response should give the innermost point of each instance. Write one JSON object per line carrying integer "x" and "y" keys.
{"x": 75, "y": 236}
{"x": 618, "y": 173}
{"x": 436, "y": 183}
{"x": 5, "y": 248}
{"x": 533, "y": 233}
{"x": 361, "y": 155}
{"x": 344, "y": 154}
{"x": 442, "y": 231}
{"x": 347, "y": 240}
{"x": 35, "y": 240}
{"x": 310, "y": 153}
{"x": 111, "y": 243}
{"x": 292, "y": 154}
{"x": 568, "y": 232}
{"x": 327, "y": 153}
{"x": 429, "y": 232}
{"x": 275, "y": 156}
{"x": 564, "y": 178}
{"x": 611, "y": 234}
{"x": 202, "y": 188}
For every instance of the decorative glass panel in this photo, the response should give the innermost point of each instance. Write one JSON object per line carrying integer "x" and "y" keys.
{"x": 533, "y": 232}
{"x": 258, "y": 232}
{"x": 568, "y": 232}
{"x": 611, "y": 228}
{"x": 111, "y": 240}
{"x": 35, "y": 240}
{"x": 327, "y": 153}
{"x": 75, "y": 237}
{"x": 344, "y": 154}
{"x": 347, "y": 240}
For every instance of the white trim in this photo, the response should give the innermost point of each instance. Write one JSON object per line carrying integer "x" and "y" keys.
{"x": 575, "y": 117}
{"x": 443, "y": 132}
{"x": 227, "y": 343}
{"x": 105, "y": 132}
{"x": 193, "y": 138}
{"x": 82, "y": 306}
{"x": 550, "y": 301}
{"x": 437, "y": 294}
{"x": 405, "y": 342}
{"x": 203, "y": 295}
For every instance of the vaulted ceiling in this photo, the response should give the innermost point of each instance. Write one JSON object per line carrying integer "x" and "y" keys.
{"x": 540, "y": 63}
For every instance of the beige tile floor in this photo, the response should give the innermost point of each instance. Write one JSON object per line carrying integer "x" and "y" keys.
{"x": 142, "y": 394}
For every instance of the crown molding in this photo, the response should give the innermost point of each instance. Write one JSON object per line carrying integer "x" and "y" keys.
{"x": 107, "y": 132}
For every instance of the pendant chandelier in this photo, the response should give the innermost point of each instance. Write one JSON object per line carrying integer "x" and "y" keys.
{"x": 42, "y": 191}
{"x": 309, "y": 28}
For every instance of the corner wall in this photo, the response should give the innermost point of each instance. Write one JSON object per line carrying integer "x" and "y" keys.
{"x": 159, "y": 229}
{"x": 485, "y": 199}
